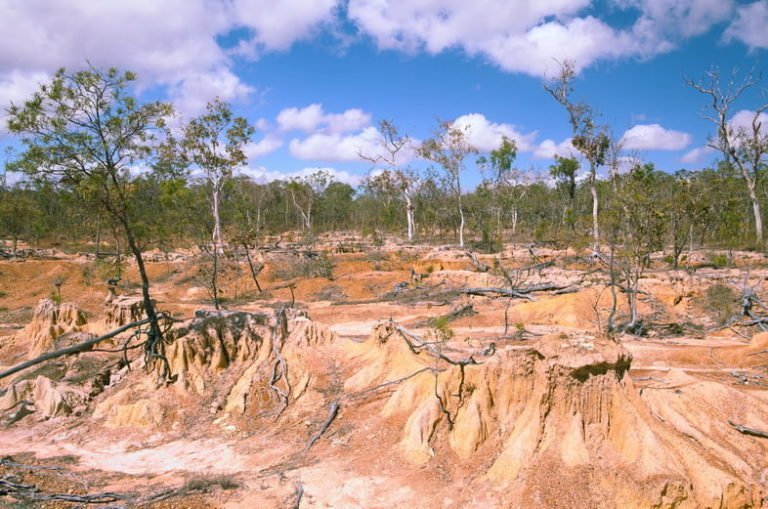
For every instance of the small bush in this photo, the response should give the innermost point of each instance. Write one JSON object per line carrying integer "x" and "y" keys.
{"x": 205, "y": 483}
{"x": 719, "y": 302}
{"x": 718, "y": 261}
{"x": 305, "y": 267}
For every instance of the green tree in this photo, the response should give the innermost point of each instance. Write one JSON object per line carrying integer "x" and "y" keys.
{"x": 564, "y": 171}
{"x": 214, "y": 142}
{"x": 85, "y": 130}
{"x": 449, "y": 148}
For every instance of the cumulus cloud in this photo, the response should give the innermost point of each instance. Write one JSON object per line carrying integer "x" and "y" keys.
{"x": 312, "y": 118}
{"x": 172, "y": 43}
{"x": 749, "y": 25}
{"x": 742, "y": 120}
{"x": 277, "y": 25}
{"x": 654, "y": 137}
{"x": 529, "y": 37}
{"x": 697, "y": 155}
{"x": 15, "y": 88}
{"x": 263, "y": 175}
{"x": 337, "y": 147}
{"x": 486, "y": 135}
{"x": 548, "y": 149}
{"x": 265, "y": 146}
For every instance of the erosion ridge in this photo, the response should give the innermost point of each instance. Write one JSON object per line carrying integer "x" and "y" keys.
{"x": 352, "y": 400}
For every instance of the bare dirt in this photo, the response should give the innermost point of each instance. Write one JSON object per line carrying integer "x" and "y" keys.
{"x": 385, "y": 385}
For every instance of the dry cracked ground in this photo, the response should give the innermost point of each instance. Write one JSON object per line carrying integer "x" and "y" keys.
{"x": 384, "y": 378}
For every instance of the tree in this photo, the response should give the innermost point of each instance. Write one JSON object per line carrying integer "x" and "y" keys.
{"x": 304, "y": 193}
{"x": 449, "y": 148}
{"x": 637, "y": 222}
{"x": 215, "y": 142}
{"x": 86, "y": 131}
{"x": 590, "y": 139}
{"x": 505, "y": 179}
{"x": 564, "y": 171}
{"x": 396, "y": 176}
{"x": 746, "y": 148}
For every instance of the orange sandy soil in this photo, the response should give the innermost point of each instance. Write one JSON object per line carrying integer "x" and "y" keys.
{"x": 364, "y": 460}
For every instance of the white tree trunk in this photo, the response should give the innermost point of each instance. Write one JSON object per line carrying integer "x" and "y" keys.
{"x": 409, "y": 216}
{"x": 595, "y": 205}
{"x": 756, "y": 212}
{"x": 215, "y": 205}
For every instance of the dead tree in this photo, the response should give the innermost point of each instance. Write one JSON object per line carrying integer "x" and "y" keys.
{"x": 744, "y": 147}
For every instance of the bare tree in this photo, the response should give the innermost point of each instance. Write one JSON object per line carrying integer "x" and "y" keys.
{"x": 590, "y": 139}
{"x": 746, "y": 148}
{"x": 396, "y": 146}
{"x": 449, "y": 148}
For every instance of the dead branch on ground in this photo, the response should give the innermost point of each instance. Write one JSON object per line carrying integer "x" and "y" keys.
{"x": 333, "y": 411}
{"x": 748, "y": 431}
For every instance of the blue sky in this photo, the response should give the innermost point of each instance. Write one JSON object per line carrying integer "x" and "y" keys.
{"x": 316, "y": 76}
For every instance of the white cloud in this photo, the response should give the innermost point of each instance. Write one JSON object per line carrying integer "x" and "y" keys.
{"x": 530, "y": 37}
{"x": 742, "y": 120}
{"x": 172, "y": 43}
{"x": 337, "y": 147}
{"x": 654, "y": 137}
{"x": 312, "y": 118}
{"x": 265, "y": 146}
{"x": 277, "y": 25}
{"x": 548, "y": 149}
{"x": 486, "y": 135}
{"x": 192, "y": 94}
{"x": 303, "y": 119}
{"x": 750, "y": 25}
{"x": 263, "y": 175}
{"x": 696, "y": 155}
{"x": 15, "y": 88}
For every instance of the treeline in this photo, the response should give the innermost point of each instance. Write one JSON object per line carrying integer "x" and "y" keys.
{"x": 701, "y": 208}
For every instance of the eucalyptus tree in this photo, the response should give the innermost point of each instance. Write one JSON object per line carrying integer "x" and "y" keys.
{"x": 589, "y": 138}
{"x": 87, "y": 131}
{"x": 305, "y": 191}
{"x": 744, "y": 147}
{"x": 449, "y": 148}
{"x": 215, "y": 142}
{"x": 396, "y": 176}
{"x": 564, "y": 172}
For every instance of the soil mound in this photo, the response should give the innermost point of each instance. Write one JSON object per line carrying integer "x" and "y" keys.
{"x": 50, "y": 321}
{"x": 561, "y": 422}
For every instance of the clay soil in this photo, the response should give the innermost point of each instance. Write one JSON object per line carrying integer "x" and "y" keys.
{"x": 442, "y": 400}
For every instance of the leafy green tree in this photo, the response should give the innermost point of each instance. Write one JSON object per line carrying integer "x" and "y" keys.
{"x": 214, "y": 142}
{"x": 86, "y": 131}
{"x": 564, "y": 171}
{"x": 449, "y": 148}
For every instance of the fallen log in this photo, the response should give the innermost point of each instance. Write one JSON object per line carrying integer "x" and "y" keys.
{"x": 487, "y": 291}
{"x": 748, "y": 431}
{"x": 80, "y": 347}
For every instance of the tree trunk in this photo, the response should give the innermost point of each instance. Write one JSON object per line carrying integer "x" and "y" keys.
{"x": 215, "y": 204}
{"x": 758, "y": 215}
{"x": 595, "y": 205}
{"x": 461, "y": 225}
{"x": 409, "y": 216}
{"x": 154, "y": 345}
